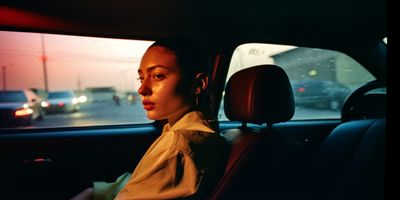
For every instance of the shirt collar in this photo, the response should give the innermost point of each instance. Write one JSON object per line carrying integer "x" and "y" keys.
{"x": 193, "y": 121}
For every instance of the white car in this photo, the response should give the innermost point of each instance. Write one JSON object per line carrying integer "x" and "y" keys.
{"x": 62, "y": 101}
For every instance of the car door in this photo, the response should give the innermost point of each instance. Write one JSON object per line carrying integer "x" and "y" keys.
{"x": 61, "y": 155}
{"x": 58, "y": 163}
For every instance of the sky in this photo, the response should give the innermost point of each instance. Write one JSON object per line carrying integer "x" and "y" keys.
{"x": 72, "y": 61}
{"x": 75, "y": 62}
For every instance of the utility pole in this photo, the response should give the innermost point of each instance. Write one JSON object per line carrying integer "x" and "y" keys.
{"x": 78, "y": 82}
{"x": 44, "y": 59}
{"x": 4, "y": 78}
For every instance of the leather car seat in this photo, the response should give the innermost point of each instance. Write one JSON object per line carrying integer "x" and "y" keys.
{"x": 351, "y": 163}
{"x": 260, "y": 162}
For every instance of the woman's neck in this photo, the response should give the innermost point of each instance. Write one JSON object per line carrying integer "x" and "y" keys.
{"x": 176, "y": 116}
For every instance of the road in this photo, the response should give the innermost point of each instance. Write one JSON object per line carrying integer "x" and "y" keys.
{"x": 97, "y": 114}
{"x": 109, "y": 113}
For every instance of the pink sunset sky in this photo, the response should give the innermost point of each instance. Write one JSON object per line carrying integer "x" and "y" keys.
{"x": 72, "y": 61}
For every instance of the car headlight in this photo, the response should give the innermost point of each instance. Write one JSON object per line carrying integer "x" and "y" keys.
{"x": 44, "y": 104}
{"x": 75, "y": 100}
{"x": 82, "y": 99}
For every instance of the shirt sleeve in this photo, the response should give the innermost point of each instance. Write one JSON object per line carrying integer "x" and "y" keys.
{"x": 167, "y": 174}
{"x": 108, "y": 191}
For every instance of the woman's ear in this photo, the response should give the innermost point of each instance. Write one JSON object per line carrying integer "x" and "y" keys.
{"x": 201, "y": 83}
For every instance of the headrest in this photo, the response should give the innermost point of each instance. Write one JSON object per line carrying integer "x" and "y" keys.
{"x": 363, "y": 104}
{"x": 259, "y": 94}
{"x": 374, "y": 106}
{"x": 369, "y": 106}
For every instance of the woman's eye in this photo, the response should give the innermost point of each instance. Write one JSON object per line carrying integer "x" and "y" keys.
{"x": 140, "y": 79}
{"x": 158, "y": 77}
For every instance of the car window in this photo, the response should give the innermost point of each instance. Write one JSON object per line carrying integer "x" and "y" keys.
{"x": 81, "y": 81}
{"x": 12, "y": 96}
{"x": 60, "y": 94}
{"x": 321, "y": 79}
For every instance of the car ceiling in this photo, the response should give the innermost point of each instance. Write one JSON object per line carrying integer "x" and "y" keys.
{"x": 303, "y": 23}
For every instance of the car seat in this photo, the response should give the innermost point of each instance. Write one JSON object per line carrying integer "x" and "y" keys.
{"x": 261, "y": 161}
{"x": 351, "y": 162}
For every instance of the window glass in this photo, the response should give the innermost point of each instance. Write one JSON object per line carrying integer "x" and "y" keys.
{"x": 79, "y": 81}
{"x": 12, "y": 96}
{"x": 321, "y": 79}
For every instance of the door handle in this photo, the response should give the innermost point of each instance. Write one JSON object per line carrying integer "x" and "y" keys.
{"x": 39, "y": 161}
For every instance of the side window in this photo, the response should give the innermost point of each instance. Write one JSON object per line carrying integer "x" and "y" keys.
{"x": 81, "y": 81}
{"x": 321, "y": 79}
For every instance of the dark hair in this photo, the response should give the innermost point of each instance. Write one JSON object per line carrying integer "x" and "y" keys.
{"x": 191, "y": 56}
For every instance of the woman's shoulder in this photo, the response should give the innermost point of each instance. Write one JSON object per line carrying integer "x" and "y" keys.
{"x": 187, "y": 139}
{"x": 191, "y": 129}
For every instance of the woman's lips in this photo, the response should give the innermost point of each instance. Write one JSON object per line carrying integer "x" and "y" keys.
{"x": 148, "y": 105}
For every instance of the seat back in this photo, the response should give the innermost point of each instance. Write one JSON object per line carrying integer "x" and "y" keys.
{"x": 351, "y": 161}
{"x": 259, "y": 162}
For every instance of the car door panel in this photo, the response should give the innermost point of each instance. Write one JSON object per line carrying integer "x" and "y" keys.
{"x": 60, "y": 163}
{"x": 57, "y": 164}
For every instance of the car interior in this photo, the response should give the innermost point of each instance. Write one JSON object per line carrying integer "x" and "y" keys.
{"x": 278, "y": 149}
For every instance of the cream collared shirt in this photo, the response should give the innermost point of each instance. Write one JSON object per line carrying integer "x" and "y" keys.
{"x": 186, "y": 161}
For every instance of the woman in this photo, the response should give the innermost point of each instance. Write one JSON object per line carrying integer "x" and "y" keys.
{"x": 188, "y": 158}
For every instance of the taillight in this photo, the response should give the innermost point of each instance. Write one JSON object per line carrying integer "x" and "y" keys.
{"x": 23, "y": 112}
{"x": 301, "y": 89}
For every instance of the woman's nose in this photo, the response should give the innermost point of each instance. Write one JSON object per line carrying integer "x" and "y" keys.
{"x": 144, "y": 89}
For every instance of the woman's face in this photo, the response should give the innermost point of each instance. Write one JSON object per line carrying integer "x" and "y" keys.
{"x": 161, "y": 88}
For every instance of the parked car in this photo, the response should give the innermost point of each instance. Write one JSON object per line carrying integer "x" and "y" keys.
{"x": 19, "y": 107}
{"x": 62, "y": 101}
{"x": 100, "y": 94}
{"x": 132, "y": 97}
{"x": 58, "y": 159}
{"x": 320, "y": 93}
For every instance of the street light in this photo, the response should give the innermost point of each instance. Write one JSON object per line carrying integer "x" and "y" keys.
{"x": 78, "y": 81}
{"x": 124, "y": 73}
{"x": 4, "y": 78}
{"x": 44, "y": 59}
